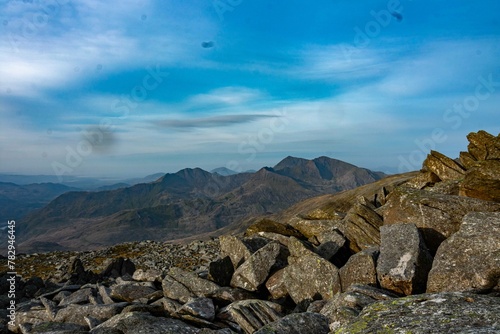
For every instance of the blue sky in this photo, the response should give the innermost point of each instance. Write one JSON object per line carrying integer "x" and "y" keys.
{"x": 131, "y": 88}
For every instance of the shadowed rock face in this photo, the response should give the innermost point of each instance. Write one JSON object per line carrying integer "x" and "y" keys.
{"x": 323, "y": 271}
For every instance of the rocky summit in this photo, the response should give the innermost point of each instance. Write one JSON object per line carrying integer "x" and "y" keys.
{"x": 411, "y": 253}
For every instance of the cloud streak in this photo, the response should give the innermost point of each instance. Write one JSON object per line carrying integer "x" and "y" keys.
{"x": 211, "y": 122}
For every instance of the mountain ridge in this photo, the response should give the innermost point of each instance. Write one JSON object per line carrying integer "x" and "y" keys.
{"x": 182, "y": 204}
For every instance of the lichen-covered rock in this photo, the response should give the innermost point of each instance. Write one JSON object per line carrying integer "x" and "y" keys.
{"x": 362, "y": 226}
{"x": 344, "y": 307}
{"x": 309, "y": 276}
{"x": 251, "y": 315}
{"x": 467, "y": 160}
{"x": 138, "y": 323}
{"x": 331, "y": 243}
{"x": 444, "y": 167}
{"x": 175, "y": 290}
{"x": 469, "y": 259}
{"x": 404, "y": 261}
{"x": 297, "y": 323}
{"x": 437, "y": 216}
{"x": 276, "y": 285}
{"x": 254, "y": 271}
{"x": 429, "y": 314}
{"x": 58, "y": 328}
{"x": 482, "y": 181}
{"x": 423, "y": 180}
{"x": 361, "y": 268}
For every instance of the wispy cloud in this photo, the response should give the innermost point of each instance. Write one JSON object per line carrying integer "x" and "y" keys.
{"x": 211, "y": 122}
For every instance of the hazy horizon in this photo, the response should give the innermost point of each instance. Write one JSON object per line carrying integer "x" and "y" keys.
{"x": 135, "y": 88}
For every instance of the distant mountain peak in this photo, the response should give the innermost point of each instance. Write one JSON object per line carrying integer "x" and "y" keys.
{"x": 223, "y": 171}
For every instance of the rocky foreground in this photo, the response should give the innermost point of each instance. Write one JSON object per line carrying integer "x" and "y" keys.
{"x": 420, "y": 255}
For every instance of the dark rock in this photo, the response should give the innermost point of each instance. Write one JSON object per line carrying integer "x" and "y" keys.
{"x": 136, "y": 322}
{"x": 298, "y": 323}
{"x": 132, "y": 291}
{"x": 226, "y": 295}
{"x": 437, "y": 216}
{"x": 322, "y": 277}
{"x": 58, "y": 328}
{"x": 482, "y": 181}
{"x": 221, "y": 271}
{"x": 170, "y": 306}
{"x": 118, "y": 267}
{"x": 470, "y": 258}
{"x": 78, "y": 297}
{"x": 199, "y": 307}
{"x": 444, "y": 167}
{"x": 404, "y": 261}
{"x": 78, "y": 275}
{"x": 251, "y": 315}
{"x": 429, "y": 313}
{"x": 360, "y": 269}
{"x": 76, "y": 314}
{"x": 330, "y": 244}
{"x": 254, "y": 271}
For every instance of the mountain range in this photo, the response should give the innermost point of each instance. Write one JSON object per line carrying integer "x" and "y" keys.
{"x": 182, "y": 204}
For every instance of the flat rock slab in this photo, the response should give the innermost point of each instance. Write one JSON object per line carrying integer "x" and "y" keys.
{"x": 144, "y": 323}
{"x": 430, "y": 314}
{"x": 404, "y": 261}
{"x": 361, "y": 268}
{"x": 297, "y": 323}
{"x": 469, "y": 259}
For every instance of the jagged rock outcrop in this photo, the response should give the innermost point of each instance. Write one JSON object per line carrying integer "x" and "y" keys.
{"x": 470, "y": 259}
{"x": 342, "y": 267}
{"x": 436, "y": 215}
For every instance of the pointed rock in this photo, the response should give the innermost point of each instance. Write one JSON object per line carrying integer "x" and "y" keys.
{"x": 483, "y": 145}
{"x": 404, "y": 261}
{"x": 254, "y": 271}
{"x": 221, "y": 271}
{"x": 444, "y": 167}
{"x": 239, "y": 250}
{"x": 362, "y": 226}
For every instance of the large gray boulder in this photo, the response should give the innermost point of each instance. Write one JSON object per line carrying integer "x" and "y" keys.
{"x": 240, "y": 250}
{"x": 404, "y": 261}
{"x": 469, "y": 259}
{"x": 309, "y": 276}
{"x": 362, "y": 226}
{"x": 437, "y": 216}
{"x": 429, "y": 314}
{"x": 297, "y": 323}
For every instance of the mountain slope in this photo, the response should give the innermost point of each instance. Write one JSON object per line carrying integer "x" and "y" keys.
{"x": 182, "y": 204}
